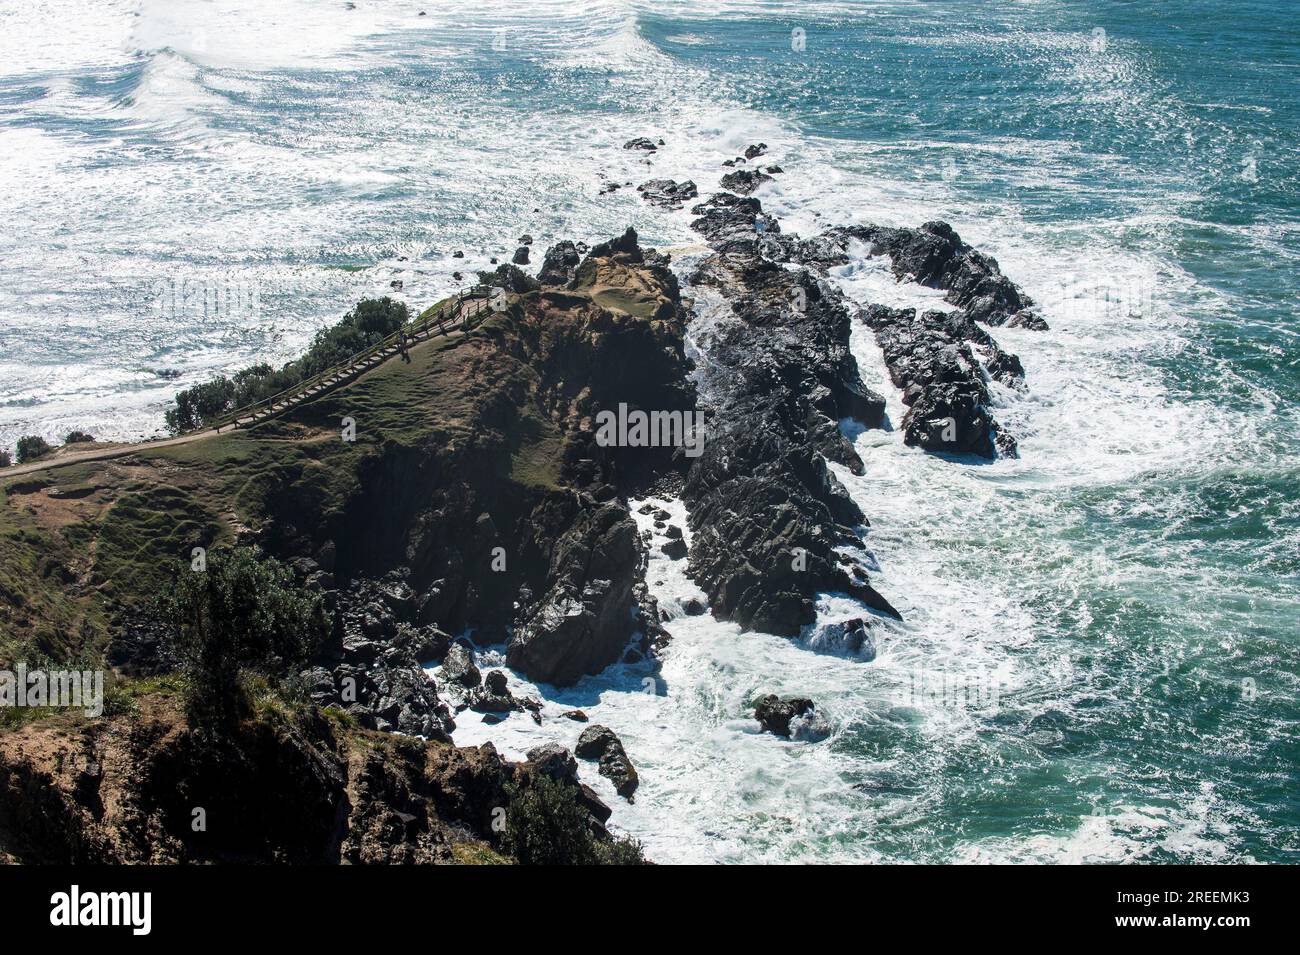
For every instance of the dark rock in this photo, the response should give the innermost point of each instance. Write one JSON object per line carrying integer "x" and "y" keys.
{"x": 554, "y": 761}
{"x": 525, "y": 239}
{"x": 625, "y": 248}
{"x": 676, "y": 549}
{"x": 511, "y": 278}
{"x": 775, "y": 714}
{"x": 458, "y": 667}
{"x": 494, "y": 695}
{"x": 583, "y": 623}
{"x": 426, "y": 643}
{"x": 727, "y": 218}
{"x": 576, "y": 715}
{"x": 668, "y": 193}
{"x": 693, "y": 606}
{"x": 594, "y": 804}
{"x": 768, "y": 514}
{"x": 1027, "y": 319}
{"x": 358, "y": 649}
{"x": 744, "y": 181}
{"x": 852, "y": 637}
{"x": 559, "y": 265}
{"x": 641, "y": 142}
{"x": 753, "y": 152}
{"x": 599, "y": 742}
{"x": 932, "y": 358}
{"x": 521, "y": 255}
{"x": 935, "y": 255}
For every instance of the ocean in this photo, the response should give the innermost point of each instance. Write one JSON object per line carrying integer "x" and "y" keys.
{"x": 1099, "y": 660}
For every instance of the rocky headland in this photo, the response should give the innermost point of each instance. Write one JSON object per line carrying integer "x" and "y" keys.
{"x": 475, "y": 507}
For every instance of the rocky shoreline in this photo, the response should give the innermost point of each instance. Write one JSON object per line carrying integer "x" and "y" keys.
{"x": 492, "y": 516}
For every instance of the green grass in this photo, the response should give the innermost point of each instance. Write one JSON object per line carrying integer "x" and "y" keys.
{"x": 140, "y": 515}
{"x": 635, "y": 305}
{"x": 41, "y": 609}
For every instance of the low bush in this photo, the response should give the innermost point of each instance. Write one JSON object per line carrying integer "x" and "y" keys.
{"x": 32, "y": 446}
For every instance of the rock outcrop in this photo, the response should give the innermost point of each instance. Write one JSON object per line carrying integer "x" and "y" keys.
{"x": 938, "y": 361}
{"x": 769, "y": 517}
{"x": 667, "y": 192}
{"x": 600, "y": 743}
{"x": 935, "y": 255}
{"x": 775, "y": 714}
{"x": 744, "y": 181}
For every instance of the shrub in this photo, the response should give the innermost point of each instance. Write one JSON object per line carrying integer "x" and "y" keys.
{"x": 32, "y": 446}
{"x": 369, "y": 323}
{"x": 78, "y": 437}
{"x": 243, "y": 611}
{"x": 546, "y": 826}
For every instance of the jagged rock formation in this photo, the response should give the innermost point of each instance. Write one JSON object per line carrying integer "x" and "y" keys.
{"x": 775, "y": 714}
{"x": 937, "y": 360}
{"x": 744, "y": 181}
{"x": 767, "y": 513}
{"x": 934, "y": 255}
{"x": 667, "y": 192}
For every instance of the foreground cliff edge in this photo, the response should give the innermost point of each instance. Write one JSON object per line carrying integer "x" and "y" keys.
{"x": 462, "y": 490}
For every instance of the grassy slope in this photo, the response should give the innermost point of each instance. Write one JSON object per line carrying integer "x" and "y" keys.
{"x": 80, "y": 540}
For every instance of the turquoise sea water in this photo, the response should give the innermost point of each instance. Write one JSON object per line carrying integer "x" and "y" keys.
{"x": 192, "y": 186}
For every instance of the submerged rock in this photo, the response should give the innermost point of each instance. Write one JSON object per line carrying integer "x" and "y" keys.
{"x": 849, "y": 637}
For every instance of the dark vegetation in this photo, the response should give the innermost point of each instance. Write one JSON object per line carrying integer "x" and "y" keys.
{"x": 78, "y": 437}
{"x": 546, "y": 826}
{"x": 243, "y": 612}
{"x": 369, "y": 323}
{"x": 30, "y": 447}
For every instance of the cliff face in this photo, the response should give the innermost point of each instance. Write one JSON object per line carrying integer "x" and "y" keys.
{"x": 291, "y": 785}
{"x": 507, "y": 517}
